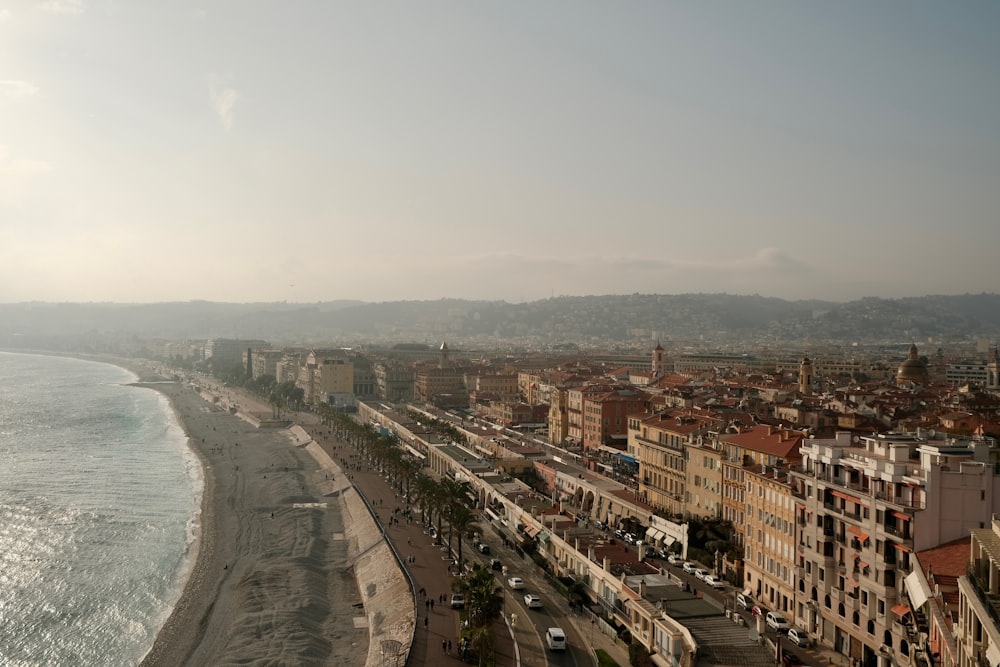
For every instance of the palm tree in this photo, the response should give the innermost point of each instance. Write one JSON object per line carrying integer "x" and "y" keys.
{"x": 483, "y": 604}
{"x": 460, "y": 519}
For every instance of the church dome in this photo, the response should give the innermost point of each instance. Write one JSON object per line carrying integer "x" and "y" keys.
{"x": 912, "y": 370}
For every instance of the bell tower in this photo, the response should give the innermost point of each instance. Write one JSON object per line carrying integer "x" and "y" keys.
{"x": 806, "y": 377}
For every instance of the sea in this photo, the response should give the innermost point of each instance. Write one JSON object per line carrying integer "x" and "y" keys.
{"x": 99, "y": 512}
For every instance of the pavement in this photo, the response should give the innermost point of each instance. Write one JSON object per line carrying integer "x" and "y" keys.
{"x": 429, "y": 567}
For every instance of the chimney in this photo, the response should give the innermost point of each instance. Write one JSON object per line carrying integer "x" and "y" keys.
{"x": 642, "y": 588}
{"x": 606, "y": 565}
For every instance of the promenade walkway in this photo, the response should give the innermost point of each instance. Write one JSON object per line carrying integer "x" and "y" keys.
{"x": 426, "y": 563}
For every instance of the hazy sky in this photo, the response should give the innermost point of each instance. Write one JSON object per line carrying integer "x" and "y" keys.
{"x": 235, "y": 150}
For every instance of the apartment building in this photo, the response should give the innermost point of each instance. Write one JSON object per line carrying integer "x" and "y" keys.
{"x": 748, "y": 450}
{"x": 865, "y": 504}
{"x": 394, "y": 381}
{"x": 703, "y": 495}
{"x": 769, "y": 537}
{"x": 659, "y": 442}
{"x": 605, "y": 415}
{"x": 977, "y": 633}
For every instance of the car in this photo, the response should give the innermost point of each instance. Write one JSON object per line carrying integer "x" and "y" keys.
{"x": 457, "y": 601}
{"x": 799, "y": 637}
{"x": 516, "y": 583}
{"x": 745, "y": 600}
{"x": 757, "y": 610}
{"x": 619, "y": 533}
{"x": 790, "y": 660}
{"x": 532, "y": 601}
{"x": 483, "y": 548}
{"x": 689, "y": 567}
{"x": 495, "y": 564}
{"x": 629, "y": 538}
{"x": 776, "y": 622}
{"x": 599, "y": 525}
{"x": 674, "y": 559}
{"x": 555, "y": 639}
{"x": 714, "y": 581}
{"x": 700, "y": 574}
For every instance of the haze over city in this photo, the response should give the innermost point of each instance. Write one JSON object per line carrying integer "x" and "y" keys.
{"x": 250, "y": 151}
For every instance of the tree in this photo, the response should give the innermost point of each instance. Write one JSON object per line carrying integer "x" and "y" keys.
{"x": 483, "y": 606}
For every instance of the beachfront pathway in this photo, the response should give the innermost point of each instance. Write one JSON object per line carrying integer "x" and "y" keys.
{"x": 428, "y": 566}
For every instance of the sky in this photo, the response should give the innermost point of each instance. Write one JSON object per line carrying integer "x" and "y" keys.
{"x": 316, "y": 150}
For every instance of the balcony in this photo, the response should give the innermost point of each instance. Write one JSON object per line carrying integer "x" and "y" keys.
{"x": 991, "y": 602}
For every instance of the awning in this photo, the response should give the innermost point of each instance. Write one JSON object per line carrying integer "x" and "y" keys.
{"x": 854, "y": 530}
{"x": 901, "y": 610}
{"x": 531, "y": 531}
{"x": 993, "y": 654}
{"x": 626, "y": 457}
{"x": 901, "y": 547}
{"x": 849, "y": 498}
{"x": 851, "y": 583}
{"x": 917, "y": 588}
{"x": 901, "y": 515}
{"x": 655, "y": 535}
{"x": 863, "y": 565}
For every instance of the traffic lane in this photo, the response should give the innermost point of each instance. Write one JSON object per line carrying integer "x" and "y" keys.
{"x": 530, "y": 625}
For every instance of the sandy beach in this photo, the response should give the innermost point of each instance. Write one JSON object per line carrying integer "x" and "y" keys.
{"x": 269, "y": 584}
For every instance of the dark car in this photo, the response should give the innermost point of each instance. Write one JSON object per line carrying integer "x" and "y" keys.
{"x": 790, "y": 660}
{"x": 495, "y": 564}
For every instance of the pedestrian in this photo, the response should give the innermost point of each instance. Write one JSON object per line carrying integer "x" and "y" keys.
{"x": 432, "y": 605}
{"x": 425, "y": 622}
{"x": 427, "y": 603}
{"x": 449, "y": 647}
{"x": 444, "y": 646}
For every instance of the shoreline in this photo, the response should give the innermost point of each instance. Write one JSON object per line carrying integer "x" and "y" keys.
{"x": 268, "y": 583}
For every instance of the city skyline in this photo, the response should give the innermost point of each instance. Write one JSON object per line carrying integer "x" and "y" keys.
{"x": 253, "y": 152}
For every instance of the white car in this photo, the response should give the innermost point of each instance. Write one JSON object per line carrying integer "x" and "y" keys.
{"x": 713, "y": 581}
{"x": 516, "y": 583}
{"x": 700, "y": 574}
{"x": 745, "y": 601}
{"x": 674, "y": 559}
{"x": 532, "y": 601}
{"x": 799, "y": 637}
{"x": 689, "y": 567}
{"x": 457, "y": 601}
{"x": 776, "y": 622}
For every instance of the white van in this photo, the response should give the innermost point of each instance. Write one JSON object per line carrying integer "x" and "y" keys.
{"x": 555, "y": 639}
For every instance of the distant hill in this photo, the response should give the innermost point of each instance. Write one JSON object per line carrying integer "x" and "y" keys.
{"x": 586, "y": 319}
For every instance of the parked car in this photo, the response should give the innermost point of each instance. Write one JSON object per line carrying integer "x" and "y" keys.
{"x": 619, "y": 533}
{"x": 757, "y": 610}
{"x": 483, "y": 548}
{"x": 495, "y": 564}
{"x": 457, "y": 601}
{"x": 776, "y": 622}
{"x": 674, "y": 559}
{"x": 714, "y": 581}
{"x": 700, "y": 574}
{"x": 799, "y": 637}
{"x": 745, "y": 601}
{"x": 599, "y": 525}
{"x": 516, "y": 583}
{"x": 532, "y": 601}
{"x": 689, "y": 567}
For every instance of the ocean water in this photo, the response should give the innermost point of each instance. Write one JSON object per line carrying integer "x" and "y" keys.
{"x": 99, "y": 502}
